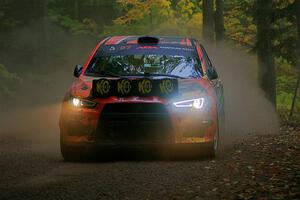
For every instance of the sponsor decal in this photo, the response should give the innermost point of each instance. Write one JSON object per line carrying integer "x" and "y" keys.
{"x": 148, "y": 47}
{"x": 124, "y": 86}
{"x": 166, "y": 86}
{"x": 145, "y": 86}
{"x": 103, "y": 87}
{"x": 177, "y": 48}
{"x": 125, "y": 47}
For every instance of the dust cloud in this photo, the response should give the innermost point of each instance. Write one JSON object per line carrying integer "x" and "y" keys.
{"x": 46, "y": 70}
{"x": 247, "y": 110}
{"x": 36, "y": 128}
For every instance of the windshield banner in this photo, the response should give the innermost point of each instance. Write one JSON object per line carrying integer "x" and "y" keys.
{"x": 166, "y": 88}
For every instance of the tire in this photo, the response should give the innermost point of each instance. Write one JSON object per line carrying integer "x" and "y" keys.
{"x": 213, "y": 148}
{"x": 73, "y": 153}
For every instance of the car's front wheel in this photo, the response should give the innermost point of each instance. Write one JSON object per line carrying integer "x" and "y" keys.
{"x": 214, "y": 147}
{"x": 72, "y": 153}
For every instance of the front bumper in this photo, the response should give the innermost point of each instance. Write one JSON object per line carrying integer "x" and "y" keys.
{"x": 172, "y": 129}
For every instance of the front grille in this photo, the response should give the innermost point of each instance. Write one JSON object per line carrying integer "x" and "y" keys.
{"x": 135, "y": 123}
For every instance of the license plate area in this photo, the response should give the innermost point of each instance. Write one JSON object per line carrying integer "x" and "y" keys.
{"x": 136, "y": 127}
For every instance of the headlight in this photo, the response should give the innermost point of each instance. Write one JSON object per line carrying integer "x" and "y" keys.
{"x": 76, "y": 102}
{"x": 82, "y": 103}
{"x": 191, "y": 103}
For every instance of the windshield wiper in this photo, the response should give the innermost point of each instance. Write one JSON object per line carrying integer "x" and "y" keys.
{"x": 153, "y": 74}
{"x": 102, "y": 73}
{"x": 110, "y": 74}
{"x": 166, "y": 75}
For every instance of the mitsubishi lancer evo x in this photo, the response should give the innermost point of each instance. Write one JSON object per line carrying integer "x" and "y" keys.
{"x": 151, "y": 91}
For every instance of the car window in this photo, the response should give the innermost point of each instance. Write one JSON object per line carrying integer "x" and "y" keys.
{"x": 182, "y": 66}
{"x": 136, "y": 59}
{"x": 209, "y": 64}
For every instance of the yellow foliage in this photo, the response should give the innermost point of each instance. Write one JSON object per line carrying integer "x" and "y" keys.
{"x": 240, "y": 28}
{"x": 194, "y": 25}
{"x": 185, "y": 8}
{"x": 158, "y": 17}
{"x": 137, "y": 10}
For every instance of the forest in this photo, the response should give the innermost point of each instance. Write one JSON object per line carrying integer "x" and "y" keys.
{"x": 42, "y": 38}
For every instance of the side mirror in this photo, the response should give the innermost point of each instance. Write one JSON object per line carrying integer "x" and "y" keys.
{"x": 212, "y": 73}
{"x": 77, "y": 70}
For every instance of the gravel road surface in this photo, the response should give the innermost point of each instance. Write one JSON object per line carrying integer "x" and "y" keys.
{"x": 261, "y": 167}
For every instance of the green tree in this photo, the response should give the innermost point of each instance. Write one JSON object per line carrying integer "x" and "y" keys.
{"x": 9, "y": 83}
{"x": 239, "y": 23}
{"x": 298, "y": 27}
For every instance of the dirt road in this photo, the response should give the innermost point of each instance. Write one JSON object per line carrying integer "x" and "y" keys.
{"x": 262, "y": 167}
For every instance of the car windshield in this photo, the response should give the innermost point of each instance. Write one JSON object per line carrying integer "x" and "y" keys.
{"x": 186, "y": 66}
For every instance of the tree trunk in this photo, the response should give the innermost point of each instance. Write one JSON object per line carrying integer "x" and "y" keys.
{"x": 298, "y": 27}
{"x": 297, "y": 13}
{"x": 151, "y": 18}
{"x": 76, "y": 10}
{"x": 266, "y": 66}
{"x": 208, "y": 20}
{"x": 219, "y": 20}
{"x": 44, "y": 43}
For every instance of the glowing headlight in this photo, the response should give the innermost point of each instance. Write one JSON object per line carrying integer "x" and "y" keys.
{"x": 191, "y": 103}
{"x": 76, "y": 102}
{"x": 82, "y": 103}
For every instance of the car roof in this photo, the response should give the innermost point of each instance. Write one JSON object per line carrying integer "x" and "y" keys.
{"x": 166, "y": 40}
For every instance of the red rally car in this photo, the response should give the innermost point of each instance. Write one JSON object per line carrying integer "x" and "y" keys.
{"x": 143, "y": 91}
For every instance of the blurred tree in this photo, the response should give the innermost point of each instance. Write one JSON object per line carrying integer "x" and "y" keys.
{"x": 76, "y": 10}
{"x": 84, "y": 17}
{"x": 285, "y": 31}
{"x": 167, "y": 17}
{"x": 239, "y": 24}
{"x": 186, "y": 9}
{"x": 9, "y": 83}
{"x": 208, "y": 20}
{"x": 189, "y": 17}
{"x": 143, "y": 17}
{"x": 298, "y": 27}
{"x": 160, "y": 9}
{"x": 219, "y": 20}
{"x": 266, "y": 66}
{"x": 296, "y": 96}
{"x": 44, "y": 43}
